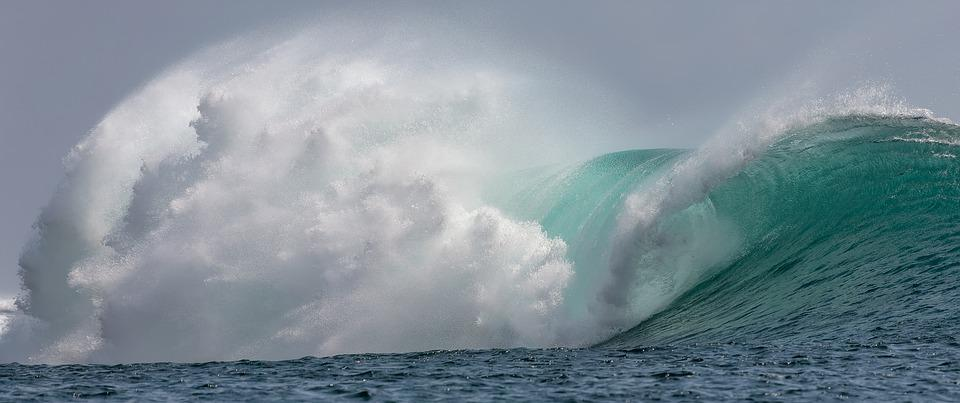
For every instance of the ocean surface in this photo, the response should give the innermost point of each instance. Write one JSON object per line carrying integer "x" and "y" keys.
{"x": 311, "y": 199}
{"x": 916, "y": 370}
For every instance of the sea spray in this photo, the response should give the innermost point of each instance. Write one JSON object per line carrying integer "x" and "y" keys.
{"x": 287, "y": 203}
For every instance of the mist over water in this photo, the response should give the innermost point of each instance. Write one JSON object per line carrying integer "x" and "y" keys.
{"x": 341, "y": 190}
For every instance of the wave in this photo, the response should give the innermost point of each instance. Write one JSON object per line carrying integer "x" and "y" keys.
{"x": 303, "y": 199}
{"x": 850, "y": 231}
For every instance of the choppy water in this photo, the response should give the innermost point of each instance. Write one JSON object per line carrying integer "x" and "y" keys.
{"x": 905, "y": 370}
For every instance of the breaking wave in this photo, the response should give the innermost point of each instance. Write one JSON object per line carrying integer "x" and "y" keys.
{"x": 314, "y": 197}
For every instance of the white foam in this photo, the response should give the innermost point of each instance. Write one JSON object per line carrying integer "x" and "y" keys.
{"x": 296, "y": 200}
{"x": 7, "y": 310}
{"x": 929, "y": 140}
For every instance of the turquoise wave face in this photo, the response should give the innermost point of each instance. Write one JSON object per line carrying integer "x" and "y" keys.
{"x": 851, "y": 230}
{"x": 845, "y": 229}
{"x": 581, "y": 205}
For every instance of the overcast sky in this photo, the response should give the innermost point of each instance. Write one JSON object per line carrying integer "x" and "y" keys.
{"x": 684, "y": 67}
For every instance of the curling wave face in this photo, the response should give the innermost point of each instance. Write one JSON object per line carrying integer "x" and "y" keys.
{"x": 851, "y": 233}
{"x": 311, "y": 200}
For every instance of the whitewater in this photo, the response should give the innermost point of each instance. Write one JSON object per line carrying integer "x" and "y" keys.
{"x": 279, "y": 199}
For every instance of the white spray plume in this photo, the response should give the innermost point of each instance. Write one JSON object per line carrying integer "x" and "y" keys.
{"x": 305, "y": 198}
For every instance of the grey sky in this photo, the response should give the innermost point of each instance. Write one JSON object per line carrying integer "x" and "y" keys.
{"x": 683, "y": 67}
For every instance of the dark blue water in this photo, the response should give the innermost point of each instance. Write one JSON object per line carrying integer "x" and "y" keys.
{"x": 907, "y": 370}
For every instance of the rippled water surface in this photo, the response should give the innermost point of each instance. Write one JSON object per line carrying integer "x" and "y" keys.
{"x": 909, "y": 370}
